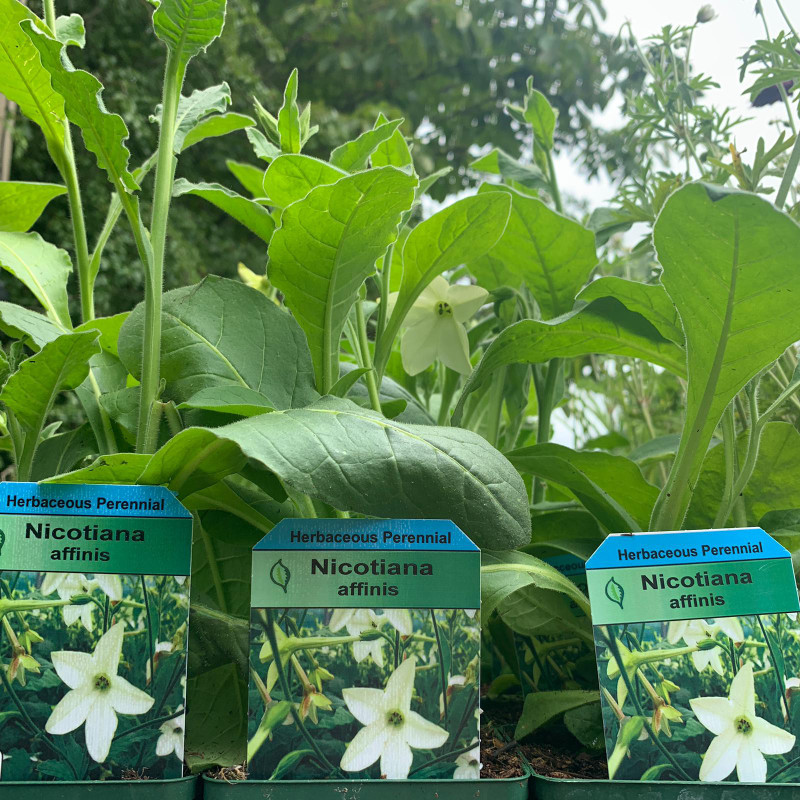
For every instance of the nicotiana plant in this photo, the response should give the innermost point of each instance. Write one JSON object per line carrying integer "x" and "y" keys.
{"x": 390, "y": 366}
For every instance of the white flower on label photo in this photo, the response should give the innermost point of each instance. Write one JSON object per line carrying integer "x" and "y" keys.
{"x": 391, "y": 727}
{"x": 697, "y": 630}
{"x": 468, "y": 765}
{"x": 356, "y": 621}
{"x": 68, "y": 584}
{"x": 400, "y": 620}
{"x": 159, "y": 651}
{"x": 97, "y": 694}
{"x": 171, "y": 739}
{"x": 740, "y": 737}
{"x": 435, "y": 326}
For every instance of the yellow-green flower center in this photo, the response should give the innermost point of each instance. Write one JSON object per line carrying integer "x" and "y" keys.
{"x": 394, "y": 718}
{"x": 102, "y": 683}
{"x": 743, "y": 725}
{"x": 444, "y": 309}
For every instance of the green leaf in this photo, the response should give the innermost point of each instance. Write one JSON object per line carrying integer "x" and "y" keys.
{"x": 531, "y": 611}
{"x": 71, "y": 30}
{"x": 604, "y": 326}
{"x": 326, "y": 247}
{"x": 262, "y": 146}
{"x": 662, "y": 448}
{"x": 253, "y": 216}
{"x": 232, "y": 399}
{"x": 648, "y": 299}
{"x": 728, "y": 262}
{"x": 498, "y": 162}
{"x": 394, "y": 151}
{"x": 585, "y": 723}
{"x": 195, "y": 108}
{"x": 104, "y": 134}
{"x": 353, "y": 156}
{"x": 610, "y": 487}
{"x": 116, "y": 468}
{"x": 42, "y": 267}
{"x": 233, "y": 500}
{"x": 540, "y": 116}
{"x": 109, "y": 328}
{"x": 541, "y": 707}
{"x": 25, "y": 81}
{"x": 289, "y": 762}
{"x": 289, "y": 118}
{"x": 21, "y": 204}
{"x": 22, "y": 323}
{"x": 550, "y": 253}
{"x": 222, "y": 333}
{"x": 188, "y": 27}
{"x": 60, "y": 453}
{"x": 345, "y": 383}
{"x": 252, "y": 178}
{"x": 291, "y": 177}
{"x": 122, "y": 406}
{"x": 571, "y": 531}
{"x": 217, "y": 125}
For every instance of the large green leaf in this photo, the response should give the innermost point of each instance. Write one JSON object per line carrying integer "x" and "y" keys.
{"x": 291, "y": 177}
{"x": 21, "y": 204}
{"x": 610, "y": 487}
{"x": 222, "y": 333}
{"x": 569, "y": 530}
{"x": 24, "y": 80}
{"x": 648, "y": 299}
{"x": 22, "y": 323}
{"x": 188, "y": 27}
{"x": 533, "y": 611}
{"x": 104, "y": 134}
{"x": 326, "y": 247}
{"x": 248, "y": 212}
{"x": 116, "y": 468}
{"x": 551, "y": 254}
{"x": 232, "y": 399}
{"x": 42, "y": 267}
{"x": 60, "y": 453}
{"x": 353, "y": 156}
{"x": 729, "y": 265}
{"x": 542, "y": 707}
{"x": 604, "y": 326}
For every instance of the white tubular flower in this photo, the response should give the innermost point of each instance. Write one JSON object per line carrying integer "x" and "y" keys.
{"x": 468, "y": 765}
{"x": 171, "y": 739}
{"x": 391, "y": 727}
{"x": 111, "y": 586}
{"x": 97, "y": 694}
{"x": 400, "y": 620}
{"x": 740, "y": 737}
{"x": 435, "y": 326}
{"x": 696, "y": 630}
{"x": 67, "y": 585}
{"x": 356, "y": 621}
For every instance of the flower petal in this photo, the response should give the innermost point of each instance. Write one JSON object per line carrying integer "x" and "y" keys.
{"x": 101, "y": 724}
{"x": 720, "y": 758}
{"x": 731, "y": 627}
{"x": 366, "y": 705}
{"x": 454, "y": 346}
{"x": 340, "y": 618}
{"x": 419, "y": 345}
{"x": 675, "y": 631}
{"x": 771, "y": 739}
{"x": 420, "y": 733}
{"x": 108, "y": 650}
{"x": 751, "y": 766}
{"x": 400, "y": 620}
{"x": 111, "y": 586}
{"x": 51, "y": 582}
{"x": 70, "y": 712}
{"x": 438, "y": 289}
{"x": 716, "y": 713}
{"x": 125, "y": 698}
{"x": 165, "y": 744}
{"x": 366, "y": 747}
{"x": 396, "y": 757}
{"x": 400, "y": 687}
{"x": 742, "y": 693}
{"x": 73, "y": 667}
{"x": 466, "y": 300}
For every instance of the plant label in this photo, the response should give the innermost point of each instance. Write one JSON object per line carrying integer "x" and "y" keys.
{"x": 698, "y": 651}
{"x": 364, "y": 651}
{"x": 94, "y": 603}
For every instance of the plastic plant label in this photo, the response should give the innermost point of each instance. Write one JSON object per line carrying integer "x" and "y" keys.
{"x": 94, "y": 607}
{"x": 364, "y": 651}
{"x": 698, "y": 651}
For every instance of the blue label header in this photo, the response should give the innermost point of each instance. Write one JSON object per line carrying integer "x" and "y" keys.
{"x": 685, "y": 547}
{"x": 366, "y": 534}
{"x": 89, "y": 500}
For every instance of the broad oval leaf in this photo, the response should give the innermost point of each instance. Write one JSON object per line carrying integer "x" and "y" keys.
{"x": 239, "y": 400}
{"x": 291, "y": 177}
{"x": 188, "y": 27}
{"x": 21, "y": 204}
{"x": 541, "y": 707}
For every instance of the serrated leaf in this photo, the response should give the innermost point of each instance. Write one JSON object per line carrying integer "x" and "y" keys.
{"x": 352, "y": 156}
{"x": 42, "y": 267}
{"x": 290, "y": 178}
{"x": 247, "y": 212}
{"x": 188, "y": 27}
{"x": 21, "y": 204}
{"x": 326, "y": 247}
{"x": 289, "y": 118}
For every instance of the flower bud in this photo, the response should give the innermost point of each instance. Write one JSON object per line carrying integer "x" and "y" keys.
{"x": 705, "y": 14}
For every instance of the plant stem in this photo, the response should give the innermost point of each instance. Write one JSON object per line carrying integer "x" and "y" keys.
{"x": 495, "y": 409}
{"x": 366, "y": 357}
{"x": 554, "y": 190}
{"x": 450, "y": 379}
{"x": 788, "y": 175}
{"x": 149, "y": 723}
{"x": 149, "y": 628}
{"x": 442, "y": 674}
{"x": 781, "y": 686}
{"x": 146, "y": 438}
{"x": 545, "y": 395}
{"x": 386, "y": 289}
{"x": 444, "y": 757}
{"x": 729, "y": 445}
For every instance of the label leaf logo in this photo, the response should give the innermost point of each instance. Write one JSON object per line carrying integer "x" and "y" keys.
{"x": 280, "y": 575}
{"x": 2, "y": 541}
{"x": 614, "y": 592}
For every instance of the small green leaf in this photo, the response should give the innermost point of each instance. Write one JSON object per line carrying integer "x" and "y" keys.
{"x": 353, "y": 156}
{"x": 251, "y": 177}
{"x": 279, "y": 574}
{"x": 239, "y": 400}
{"x": 60, "y": 453}
{"x": 515, "y": 173}
{"x": 262, "y": 146}
{"x": 21, "y": 204}
{"x": 289, "y": 118}
{"x": 614, "y": 591}
{"x": 394, "y": 151}
{"x": 195, "y": 108}
{"x": 217, "y": 125}
{"x": 540, "y": 116}
{"x": 71, "y": 30}
{"x": 188, "y": 27}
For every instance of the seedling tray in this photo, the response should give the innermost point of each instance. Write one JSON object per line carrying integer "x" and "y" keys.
{"x": 173, "y": 789}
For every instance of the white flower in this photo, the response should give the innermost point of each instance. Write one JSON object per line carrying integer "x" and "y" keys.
{"x": 454, "y": 683}
{"x": 740, "y": 737}
{"x": 436, "y": 326}
{"x": 468, "y": 765}
{"x": 161, "y": 647}
{"x": 400, "y": 620}
{"x": 68, "y": 584}
{"x": 697, "y": 630}
{"x": 97, "y": 694}
{"x": 171, "y": 739}
{"x": 391, "y": 727}
{"x": 358, "y": 620}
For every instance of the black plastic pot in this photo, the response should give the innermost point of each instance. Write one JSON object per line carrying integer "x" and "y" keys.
{"x": 489, "y": 789}
{"x": 174, "y": 789}
{"x": 562, "y": 789}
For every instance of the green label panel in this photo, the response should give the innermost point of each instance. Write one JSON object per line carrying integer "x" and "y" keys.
{"x": 124, "y": 545}
{"x": 366, "y": 578}
{"x": 691, "y": 591}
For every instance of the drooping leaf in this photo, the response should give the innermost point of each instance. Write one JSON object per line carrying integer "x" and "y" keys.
{"x": 353, "y": 156}
{"x": 194, "y": 108}
{"x": 610, "y": 487}
{"x": 729, "y": 265}
{"x": 108, "y": 376}
{"x": 661, "y": 448}
{"x": 21, "y": 204}
{"x": 291, "y": 177}
{"x": 541, "y": 707}
{"x": 570, "y": 530}
{"x": 326, "y": 247}
{"x": 115, "y": 468}
{"x": 122, "y": 406}
{"x": 517, "y": 174}
{"x": 253, "y": 216}
{"x": 222, "y": 333}
{"x": 42, "y": 267}
{"x": 289, "y": 118}
{"x": 217, "y": 125}
{"x": 394, "y": 151}
{"x": 188, "y": 27}
{"x": 251, "y": 177}
{"x": 604, "y": 326}
{"x": 104, "y": 134}
{"x": 239, "y": 400}
{"x": 71, "y": 30}
{"x": 550, "y": 253}
{"x": 532, "y": 611}
{"x": 22, "y": 323}
{"x": 60, "y": 453}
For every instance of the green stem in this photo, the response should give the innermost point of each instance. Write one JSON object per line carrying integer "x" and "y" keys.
{"x": 149, "y": 628}
{"x": 449, "y": 384}
{"x": 386, "y": 289}
{"x": 211, "y": 558}
{"x": 442, "y": 674}
{"x": 788, "y": 175}
{"x": 495, "y": 407}
{"x": 554, "y": 190}
{"x": 149, "y": 724}
{"x": 729, "y": 445}
{"x": 787, "y": 20}
{"x": 778, "y": 676}
{"x": 545, "y": 396}
{"x": 109, "y": 442}
{"x": 445, "y": 757}
{"x": 366, "y": 357}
